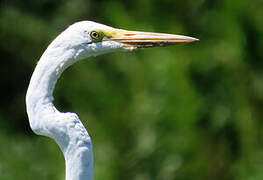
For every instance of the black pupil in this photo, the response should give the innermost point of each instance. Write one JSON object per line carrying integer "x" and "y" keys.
{"x": 94, "y": 34}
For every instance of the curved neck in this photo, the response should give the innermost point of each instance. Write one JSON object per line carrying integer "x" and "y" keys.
{"x": 65, "y": 128}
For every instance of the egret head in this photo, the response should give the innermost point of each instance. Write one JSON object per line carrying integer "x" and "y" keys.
{"x": 89, "y": 38}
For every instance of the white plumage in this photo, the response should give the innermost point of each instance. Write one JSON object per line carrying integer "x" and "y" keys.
{"x": 74, "y": 44}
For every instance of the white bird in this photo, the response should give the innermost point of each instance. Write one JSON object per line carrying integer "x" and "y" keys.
{"x": 78, "y": 41}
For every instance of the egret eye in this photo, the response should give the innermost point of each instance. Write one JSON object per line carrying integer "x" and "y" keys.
{"x": 96, "y": 35}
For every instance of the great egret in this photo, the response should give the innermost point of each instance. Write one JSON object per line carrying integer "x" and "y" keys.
{"x": 78, "y": 41}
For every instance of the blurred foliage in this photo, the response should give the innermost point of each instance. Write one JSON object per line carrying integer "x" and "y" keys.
{"x": 185, "y": 112}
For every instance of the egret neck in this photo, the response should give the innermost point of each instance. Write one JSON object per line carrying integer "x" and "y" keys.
{"x": 65, "y": 128}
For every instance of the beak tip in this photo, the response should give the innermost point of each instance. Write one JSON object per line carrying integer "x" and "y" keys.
{"x": 187, "y": 39}
{"x": 193, "y": 39}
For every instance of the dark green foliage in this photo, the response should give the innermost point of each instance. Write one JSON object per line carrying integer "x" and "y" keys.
{"x": 188, "y": 112}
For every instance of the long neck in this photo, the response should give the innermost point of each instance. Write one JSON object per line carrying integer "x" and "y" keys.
{"x": 65, "y": 128}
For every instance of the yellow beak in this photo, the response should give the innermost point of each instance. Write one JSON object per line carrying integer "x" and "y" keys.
{"x": 140, "y": 39}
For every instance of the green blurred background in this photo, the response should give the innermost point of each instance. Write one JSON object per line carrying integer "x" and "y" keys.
{"x": 186, "y": 112}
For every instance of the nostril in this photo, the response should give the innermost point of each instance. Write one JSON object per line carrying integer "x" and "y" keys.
{"x": 129, "y": 34}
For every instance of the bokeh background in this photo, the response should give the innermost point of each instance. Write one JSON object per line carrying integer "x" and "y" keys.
{"x": 187, "y": 112}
